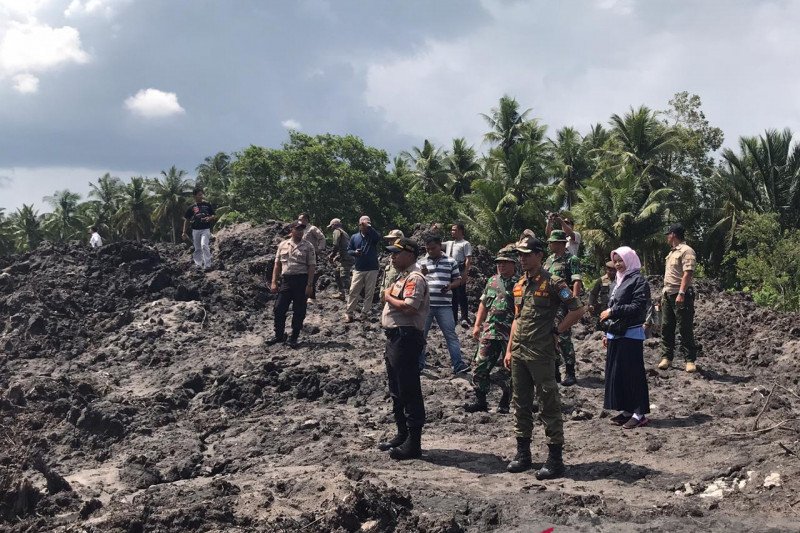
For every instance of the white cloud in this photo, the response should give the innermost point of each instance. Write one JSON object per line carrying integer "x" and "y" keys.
{"x": 31, "y": 46}
{"x": 291, "y": 124}
{"x": 26, "y": 83}
{"x": 152, "y": 103}
{"x": 78, "y": 8}
{"x": 577, "y": 67}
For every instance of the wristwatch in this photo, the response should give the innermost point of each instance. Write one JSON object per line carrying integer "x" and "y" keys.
{"x": 682, "y": 293}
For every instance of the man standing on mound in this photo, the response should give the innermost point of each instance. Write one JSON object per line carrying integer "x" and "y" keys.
{"x": 295, "y": 263}
{"x": 407, "y": 303}
{"x": 531, "y": 356}
{"x": 201, "y": 217}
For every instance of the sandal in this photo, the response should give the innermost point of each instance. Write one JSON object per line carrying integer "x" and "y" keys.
{"x": 619, "y": 419}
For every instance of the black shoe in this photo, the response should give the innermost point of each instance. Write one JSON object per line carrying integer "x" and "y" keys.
{"x": 276, "y": 339}
{"x": 397, "y": 440}
{"x": 478, "y": 404}
{"x": 505, "y": 403}
{"x": 554, "y": 466}
{"x": 522, "y": 461}
{"x": 411, "y": 448}
{"x": 570, "y": 379}
{"x": 293, "y": 342}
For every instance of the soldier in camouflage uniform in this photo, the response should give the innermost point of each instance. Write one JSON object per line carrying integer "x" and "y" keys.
{"x": 567, "y": 267}
{"x": 492, "y": 328}
{"x": 531, "y": 356}
{"x": 599, "y": 295}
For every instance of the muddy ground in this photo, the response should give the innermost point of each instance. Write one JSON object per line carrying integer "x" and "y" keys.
{"x": 136, "y": 394}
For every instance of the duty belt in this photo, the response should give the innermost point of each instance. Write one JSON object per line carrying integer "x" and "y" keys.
{"x": 401, "y": 331}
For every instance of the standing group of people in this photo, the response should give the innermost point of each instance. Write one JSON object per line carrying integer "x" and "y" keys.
{"x": 522, "y": 324}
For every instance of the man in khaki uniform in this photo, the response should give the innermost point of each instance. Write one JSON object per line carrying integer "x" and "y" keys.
{"x": 341, "y": 240}
{"x": 531, "y": 356}
{"x": 389, "y": 274}
{"x": 403, "y": 319}
{"x": 677, "y": 302}
{"x": 315, "y": 236}
{"x": 295, "y": 263}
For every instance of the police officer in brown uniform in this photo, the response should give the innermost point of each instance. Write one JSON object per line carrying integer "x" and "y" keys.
{"x": 403, "y": 319}
{"x": 295, "y": 263}
{"x": 677, "y": 302}
{"x": 531, "y": 356}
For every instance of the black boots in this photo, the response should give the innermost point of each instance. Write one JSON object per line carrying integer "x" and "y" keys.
{"x": 397, "y": 440}
{"x": 478, "y": 404}
{"x": 277, "y": 339}
{"x": 411, "y": 448}
{"x": 505, "y": 402}
{"x": 554, "y": 466}
{"x": 522, "y": 461}
{"x": 570, "y": 379}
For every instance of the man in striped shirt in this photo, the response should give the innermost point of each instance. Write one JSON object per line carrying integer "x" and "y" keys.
{"x": 443, "y": 276}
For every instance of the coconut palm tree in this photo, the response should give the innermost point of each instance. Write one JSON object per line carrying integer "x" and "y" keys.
{"x": 619, "y": 210}
{"x": 427, "y": 167}
{"x": 63, "y": 223}
{"x": 26, "y": 227}
{"x": 7, "y": 245}
{"x": 506, "y": 123}
{"x": 462, "y": 168}
{"x": 214, "y": 174}
{"x": 571, "y": 165}
{"x": 169, "y": 195}
{"x": 133, "y": 216}
{"x": 106, "y": 192}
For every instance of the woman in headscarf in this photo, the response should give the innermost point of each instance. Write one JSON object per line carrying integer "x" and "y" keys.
{"x": 623, "y": 321}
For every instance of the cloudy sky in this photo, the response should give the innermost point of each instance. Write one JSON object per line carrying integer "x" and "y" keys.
{"x": 135, "y": 86}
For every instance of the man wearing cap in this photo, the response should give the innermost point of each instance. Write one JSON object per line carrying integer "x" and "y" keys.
{"x": 443, "y": 276}
{"x": 315, "y": 236}
{"x": 341, "y": 240}
{"x": 363, "y": 248}
{"x": 573, "y": 237}
{"x": 492, "y": 327}
{"x": 677, "y": 301}
{"x": 563, "y": 264}
{"x": 389, "y": 273}
{"x": 403, "y": 318}
{"x": 599, "y": 295}
{"x": 531, "y": 356}
{"x": 295, "y": 263}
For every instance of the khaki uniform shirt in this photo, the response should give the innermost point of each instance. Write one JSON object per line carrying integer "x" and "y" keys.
{"x": 412, "y": 287}
{"x": 341, "y": 240}
{"x": 295, "y": 258}
{"x": 315, "y": 236}
{"x": 679, "y": 260}
{"x": 536, "y": 303}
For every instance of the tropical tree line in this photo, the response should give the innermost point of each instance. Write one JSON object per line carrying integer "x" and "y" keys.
{"x": 623, "y": 182}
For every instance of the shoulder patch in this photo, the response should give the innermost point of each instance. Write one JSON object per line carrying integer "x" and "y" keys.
{"x": 410, "y": 288}
{"x": 565, "y": 294}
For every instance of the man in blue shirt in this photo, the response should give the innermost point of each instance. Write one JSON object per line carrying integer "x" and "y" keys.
{"x": 443, "y": 276}
{"x": 364, "y": 250}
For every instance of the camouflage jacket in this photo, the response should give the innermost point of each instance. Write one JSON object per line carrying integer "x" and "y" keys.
{"x": 498, "y": 299}
{"x": 566, "y": 267}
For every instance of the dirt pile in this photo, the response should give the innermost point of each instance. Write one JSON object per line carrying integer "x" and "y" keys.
{"x": 137, "y": 394}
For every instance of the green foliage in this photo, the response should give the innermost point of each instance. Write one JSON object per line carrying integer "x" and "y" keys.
{"x": 768, "y": 263}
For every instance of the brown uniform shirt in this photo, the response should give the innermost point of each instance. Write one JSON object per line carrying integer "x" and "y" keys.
{"x": 295, "y": 258}
{"x": 315, "y": 236}
{"x": 412, "y": 287}
{"x": 679, "y": 260}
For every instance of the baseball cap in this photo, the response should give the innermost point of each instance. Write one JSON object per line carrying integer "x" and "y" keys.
{"x": 394, "y": 234}
{"x": 404, "y": 245}
{"x": 677, "y": 229}
{"x": 530, "y": 245}
{"x": 334, "y": 222}
{"x": 507, "y": 253}
{"x": 364, "y": 220}
{"x": 297, "y": 224}
{"x": 557, "y": 235}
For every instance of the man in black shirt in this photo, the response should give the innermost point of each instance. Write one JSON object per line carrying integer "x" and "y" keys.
{"x": 201, "y": 217}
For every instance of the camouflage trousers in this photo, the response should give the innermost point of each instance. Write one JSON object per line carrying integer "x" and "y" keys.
{"x": 566, "y": 350}
{"x": 490, "y": 355}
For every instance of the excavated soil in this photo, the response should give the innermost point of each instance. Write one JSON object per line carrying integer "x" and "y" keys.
{"x": 137, "y": 394}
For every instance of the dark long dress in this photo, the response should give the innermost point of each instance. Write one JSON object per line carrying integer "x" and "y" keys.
{"x": 626, "y": 379}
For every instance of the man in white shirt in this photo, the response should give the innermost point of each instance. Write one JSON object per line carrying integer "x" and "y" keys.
{"x": 95, "y": 241}
{"x": 461, "y": 251}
